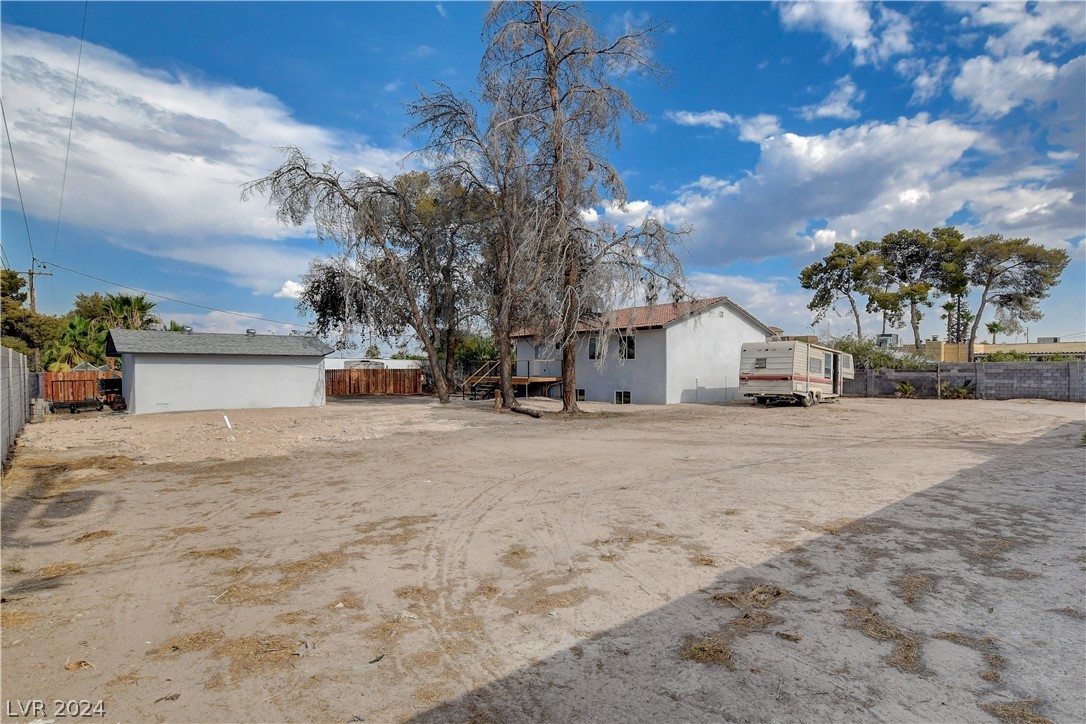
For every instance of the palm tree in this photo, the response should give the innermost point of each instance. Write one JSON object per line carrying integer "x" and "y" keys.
{"x": 82, "y": 340}
{"x": 994, "y": 328}
{"x": 130, "y": 312}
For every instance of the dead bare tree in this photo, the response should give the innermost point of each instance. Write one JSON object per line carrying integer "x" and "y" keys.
{"x": 565, "y": 109}
{"x": 408, "y": 252}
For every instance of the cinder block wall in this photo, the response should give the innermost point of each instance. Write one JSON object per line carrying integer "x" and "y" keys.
{"x": 16, "y": 404}
{"x": 1065, "y": 381}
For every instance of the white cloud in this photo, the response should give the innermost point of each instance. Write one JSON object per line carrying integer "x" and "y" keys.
{"x": 754, "y": 129}
{"x": 393, "y": 86}
{"x": 995, "y": 87}
{"x": 1029, "y": 25}
{"x": 851, "y": 26}
{"x": 158, "y": 158}
{"x": 291, "y": 290}
{"x": 928, "y": 77}
{"x": 440, "y": 7}
{"x": 838, "y": 104}
{"x": 712, "y": 119}
{"x": 421, "y": 51}
{"x": 772, "y": 301}
{"x": 231, "y": 323}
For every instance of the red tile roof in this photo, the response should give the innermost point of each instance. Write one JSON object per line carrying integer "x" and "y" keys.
{"x": 657, "y": 315}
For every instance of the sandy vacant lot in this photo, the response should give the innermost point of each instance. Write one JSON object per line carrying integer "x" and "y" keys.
{"x": 393, "y": 559}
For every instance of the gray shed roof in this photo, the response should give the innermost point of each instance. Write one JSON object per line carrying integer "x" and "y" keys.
{"x": 131, "y": 341}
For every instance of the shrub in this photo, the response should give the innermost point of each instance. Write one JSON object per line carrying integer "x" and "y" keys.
{"x": 1009, "y": 356}
{"x": 905, "y": 390}
{"x": 1060, "y": 358}
{"x": 866, "y": 355}
{"x": 951, "y": 391}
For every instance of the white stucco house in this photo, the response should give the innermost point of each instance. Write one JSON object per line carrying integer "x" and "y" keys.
{"x": 175, "y": 371}
{"x": 663, "y": 354}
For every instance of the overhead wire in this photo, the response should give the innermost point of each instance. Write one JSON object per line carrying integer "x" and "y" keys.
{"x": 171, "y": 299}
{"x": 71, "y": 124}
{"x": 15, "y": 170}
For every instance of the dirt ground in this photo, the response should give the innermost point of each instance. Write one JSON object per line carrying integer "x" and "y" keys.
{"x": 397, "y": 560}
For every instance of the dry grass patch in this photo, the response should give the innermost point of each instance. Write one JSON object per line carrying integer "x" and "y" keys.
{"x": 261, "y": 594}
{"x": 186, "y": 530}
{"x": 986, "y": 645}
{"x": 753, "y": 595}
{"x": 294, "y": 618}
{"x": 49, "y": 479}
{"x": 700, "y": 559}
{"x": 252, "y": 655}
{"x": 186, "y": 643}
{"x": 486, "y": 589}
{"x": 314, "y": 564}
{"x": 417, "y": 593}
{"x": 425, "y": 659}
{"x": 754, "y": 621}
{"x": 906, "y": 655}
{"x": 539, "y": 597}
{"x": 912, "y": 586}
{"x": 713, "y": 648}
{"x": 9, "y": 617}
{"x": 1070, "y": 612}
{"x": 391, "y": 531}
{"x": 516, "y": 557}
{"x": 264, "y": 514}
{"x": 1016, "y": 712}
{"x": 226, "y": 554}
{"x": 433, "y": 693}
{"x": 60, "y": 569}
{"x": 387, "y": 632}
{"x": 348, "y": 601}
{"x": 126, "y": 679}
{"x": 96, "y": 535}
{"x": 610, "y": 557}
{"x": 993, "y": 551}
{"x": 626, "y": 537}
{"x": 1015, "y": 574}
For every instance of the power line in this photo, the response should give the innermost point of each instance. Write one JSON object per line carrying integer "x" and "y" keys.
{"x": 71, "y": 123}
{"x": 15, "y": 169}
{"x": 171, "y": 299}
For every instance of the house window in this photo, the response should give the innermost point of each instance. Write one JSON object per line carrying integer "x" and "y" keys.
{"x": 593, "y": 349}
{"x": 626, "y": 346}
{"x": 580, "y": 394}
{"x": 622, "y": 397}
{"x": 759, "y": 363}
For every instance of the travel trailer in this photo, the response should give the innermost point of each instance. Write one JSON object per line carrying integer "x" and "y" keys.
{"x": 802, "y": 372}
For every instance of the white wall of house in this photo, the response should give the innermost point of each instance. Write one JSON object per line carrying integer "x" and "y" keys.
{"x": 173, "y": 383}
{"x": 644, "y": 376}
{"x": 703, "y": 355}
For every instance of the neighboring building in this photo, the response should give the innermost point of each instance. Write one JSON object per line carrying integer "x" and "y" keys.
{"x": 1037, "y": 351}
{"x": 664, "y": 354}
{"x": 372, "y": 363}
{"x": 175, "y": 371}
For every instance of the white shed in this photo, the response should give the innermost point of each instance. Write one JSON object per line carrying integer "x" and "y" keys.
{"x": 175, "y": 371}
{"x": 663, "y": 354}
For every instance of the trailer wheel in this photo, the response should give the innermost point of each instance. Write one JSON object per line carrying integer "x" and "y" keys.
{"x": 761, "y": 401}
{"x": 808, "y": 401}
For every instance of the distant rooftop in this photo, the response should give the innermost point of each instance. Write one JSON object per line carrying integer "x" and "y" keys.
{"x": 659, "y": 315}
{"x": 131, "y": 341}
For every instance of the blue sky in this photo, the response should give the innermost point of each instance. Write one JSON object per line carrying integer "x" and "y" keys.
{"x": 782, "y": 128}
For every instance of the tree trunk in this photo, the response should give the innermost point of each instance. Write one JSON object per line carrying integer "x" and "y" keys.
{"x": 914, "y": 321}
{"x": 976, "y": 321}
{"x": 856, "y": 316}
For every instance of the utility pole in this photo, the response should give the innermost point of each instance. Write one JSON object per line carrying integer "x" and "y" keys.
{"x": 30, "y": 274}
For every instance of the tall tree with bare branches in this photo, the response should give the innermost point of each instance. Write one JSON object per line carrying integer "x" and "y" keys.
{"x": 407, "y": 252}
{"x": 567, "y": 108}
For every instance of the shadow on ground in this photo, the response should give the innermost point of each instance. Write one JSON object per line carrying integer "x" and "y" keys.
{"x": 960, "y": 602}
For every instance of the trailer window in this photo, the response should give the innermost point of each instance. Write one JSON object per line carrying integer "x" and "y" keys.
{"x": 829, "y": 363}
{"x": 846, "y": 361}
{"x": 815, "y": 366}
{"x": 759, "y": 363}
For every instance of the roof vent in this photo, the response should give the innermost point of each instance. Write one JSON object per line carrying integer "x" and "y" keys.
{"x": 250, "y": 333}
{"x": 186, "y": 329}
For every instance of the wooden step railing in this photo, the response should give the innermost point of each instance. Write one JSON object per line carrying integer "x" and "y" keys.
{"x": 486, "y": 369}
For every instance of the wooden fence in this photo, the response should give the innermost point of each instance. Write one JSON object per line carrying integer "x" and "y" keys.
{"x": 73, "y": 386}
{"x": 373, "y": 382}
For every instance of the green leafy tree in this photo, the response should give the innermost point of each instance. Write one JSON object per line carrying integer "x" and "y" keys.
{"x": 23, "y": 330}
{"x": 126, "y": 311}
{"x": 90, "y": 306}
{"x": 913, "y": 261}
{"x": 847, "y": 272}
{"x": 1013, "y": 274}
{"x": 994, "y": 328}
